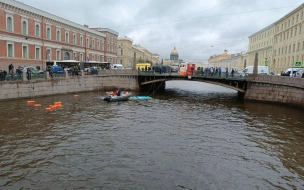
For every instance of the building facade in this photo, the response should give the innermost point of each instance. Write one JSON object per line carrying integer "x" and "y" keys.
{"x": 129, "y": 55}
{"x": 289, "y": 40}
{"x": 214, "y": 60}
{"x": 110, "y": 44}
{"x": 125, "y": 52}
{"x": 30, "y": 36}
{"x": 262, "y": 42}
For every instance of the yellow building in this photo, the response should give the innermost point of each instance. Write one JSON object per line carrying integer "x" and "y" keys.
{"x": 262, "y": 43}
{"x": 289, "y": 40}
{"x": 125, "y": 55}
{"x": 129, "y": 55}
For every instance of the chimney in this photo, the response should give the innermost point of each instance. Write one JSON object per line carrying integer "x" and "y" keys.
{"x": 85, "y": 25}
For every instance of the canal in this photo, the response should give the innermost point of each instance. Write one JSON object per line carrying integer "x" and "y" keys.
{"x": 193, "y": 136}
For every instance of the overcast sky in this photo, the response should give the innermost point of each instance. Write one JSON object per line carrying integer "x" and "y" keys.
{"x": 198, "y": 28}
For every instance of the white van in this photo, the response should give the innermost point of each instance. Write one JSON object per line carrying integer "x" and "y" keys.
{"x": 117, "y": 66}
{"x": 261, "y": 70}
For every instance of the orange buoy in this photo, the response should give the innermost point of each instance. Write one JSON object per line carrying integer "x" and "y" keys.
{"x": 48, "y": 109}
{"x": 75, "y": 95}
{"x": 55, "y": 103}
{"x": 37, "y": 105}
{"x": 31, "y": 102}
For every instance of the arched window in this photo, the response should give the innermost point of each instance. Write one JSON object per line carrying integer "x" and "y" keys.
{"x": 81, "y": 41}
{"x": 48, "y": 33}
{"x": 121, "y": 52}
{"x": 9, "y": 24}
{"x": 24, "y": 26}
{"x": 37, "y": 30}
{"x": 87, "y": 43}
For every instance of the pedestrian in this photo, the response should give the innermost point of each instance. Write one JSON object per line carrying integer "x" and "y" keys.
{"x": 302, "y": 75}
{"x": 220, "y": 71}
{"x": 227, "y": 72}
{"x": 19, "y": 73}
{"x": 28, "y": 74}
{"x": 232, "y": 72}
{"x": 12, "y": 74}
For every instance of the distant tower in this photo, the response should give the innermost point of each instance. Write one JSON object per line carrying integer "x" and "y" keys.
{"x": 174, "y": 55}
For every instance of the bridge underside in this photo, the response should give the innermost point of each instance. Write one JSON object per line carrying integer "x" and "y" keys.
{"x": 158, "y": 82}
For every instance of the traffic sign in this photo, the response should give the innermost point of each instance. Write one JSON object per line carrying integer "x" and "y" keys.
{"x": 298, "y": 64}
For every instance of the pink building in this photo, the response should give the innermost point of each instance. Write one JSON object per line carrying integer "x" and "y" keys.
{"x": 29, "y": 36}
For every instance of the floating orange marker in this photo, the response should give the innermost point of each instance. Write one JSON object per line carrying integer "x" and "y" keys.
{"x": 37, "y": 105}
{"x": 75, "y": 95}
{"x": 56, "y": 103}
{"x": 31, "y": 102}
{"x": 48, "y": 109}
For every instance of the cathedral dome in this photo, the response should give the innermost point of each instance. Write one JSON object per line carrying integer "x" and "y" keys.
{"x": 174, "y": 52}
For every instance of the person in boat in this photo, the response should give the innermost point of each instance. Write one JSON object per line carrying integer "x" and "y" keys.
{"x": 118, "y": 92}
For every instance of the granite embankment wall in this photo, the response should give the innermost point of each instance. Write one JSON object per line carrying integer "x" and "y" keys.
{"x": 277, "y": 89}
{"x": 105, "y": 80}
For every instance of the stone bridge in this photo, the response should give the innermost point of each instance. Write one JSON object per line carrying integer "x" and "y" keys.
{"x": 268, "y": 88}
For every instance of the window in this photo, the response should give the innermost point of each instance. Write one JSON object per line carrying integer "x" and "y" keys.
{"x": 48, "y": 54}
{"x": 298, "y": 47}
{"x": 58, "y": 35}
{"x": 294, "y": 48}
{"x": 81, "y": 57}
{"x": 93, "y": 57}
{"x": 98, "y": 45}
{"x": 58, "y": 55}
{"x": 24, "y": 27}
{"x": 87, "y": 43}
{"x": 74, "y": 54}
{"x": 93, "y": 44}
{"x": 289, "y": 48}
{"x": 300, "y": 29}
{"x": 24, "y": 52}
{"x": 279, "y": 51}
{"x": 37, "y": 52}
{"x": 102, "y": 45}
{"x": 48, "y": 33}
{"x": 81, "y": 41}
{"x": 295, "y": 31}
{"x": 66, "y": 37}
{"x": 291, "y": 33}
{"x": 121, "y": 52}
{"x": 9, "y": 24}
{"x": 10, "y": 50}
{"x": 74, "y": 39}
{"x": 37, "y": 31}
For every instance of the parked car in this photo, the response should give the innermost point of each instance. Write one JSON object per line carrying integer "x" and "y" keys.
{"x": 33, "y": 69}
{"x": 288, "y": 72}
{"x": 299, "y": 73}
{"x": 56, "y": 69}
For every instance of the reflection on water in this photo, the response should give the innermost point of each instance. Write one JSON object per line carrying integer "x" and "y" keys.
{"x": 193, "y": 136}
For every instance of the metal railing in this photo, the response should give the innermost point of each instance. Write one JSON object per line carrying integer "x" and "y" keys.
{"x": 195, "y": 74}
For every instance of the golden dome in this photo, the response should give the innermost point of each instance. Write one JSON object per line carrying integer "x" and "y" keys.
{"x": 174, "y": 51}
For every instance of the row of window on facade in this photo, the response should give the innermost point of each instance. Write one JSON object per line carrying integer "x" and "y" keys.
{"x": 25, "y": 54}
{"x": 93, "y": 45}
{"x": 261, "y": 36}
{"x": 291, "y": 22}
{"x": 287, "y": 61}
{"x": 287, "y": 49}
{"x": 290, "y": 34}
{"x": 259, "y": 45}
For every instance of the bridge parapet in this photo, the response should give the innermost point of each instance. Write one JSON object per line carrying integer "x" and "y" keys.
{"x": 277, "y": 80}
{"x": 109, "y": 72}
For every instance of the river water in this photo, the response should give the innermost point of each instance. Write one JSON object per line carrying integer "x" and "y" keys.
{"x": 193, "y": 136}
